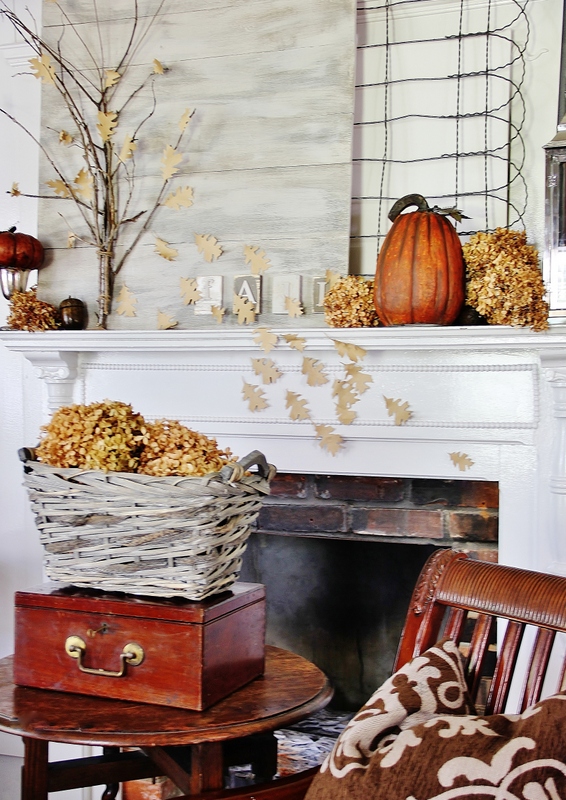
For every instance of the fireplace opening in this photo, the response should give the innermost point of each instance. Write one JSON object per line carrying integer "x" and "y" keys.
{"x": 340, "y": 555}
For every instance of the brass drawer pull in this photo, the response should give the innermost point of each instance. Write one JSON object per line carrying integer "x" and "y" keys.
{"x": 132, "y": 654}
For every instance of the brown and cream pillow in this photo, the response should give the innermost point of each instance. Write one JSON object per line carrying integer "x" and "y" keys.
{"x": 416, "y": 740}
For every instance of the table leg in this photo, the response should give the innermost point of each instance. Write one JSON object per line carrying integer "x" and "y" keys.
{"x": 35, "y": 769}
{"x": 203, "y": 770}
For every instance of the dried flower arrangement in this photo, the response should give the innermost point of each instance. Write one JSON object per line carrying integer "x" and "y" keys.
{"x": 110, "y": 436}
{"x": 504, "y": 281}
{"x": 91, "y": 90}
{"x": 349, "y": 303}
{"x": 28, "y": 313}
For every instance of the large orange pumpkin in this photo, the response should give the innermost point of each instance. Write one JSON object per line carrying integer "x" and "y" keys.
{"x": 20, "y": 251}
{"x": 420, "y": 272}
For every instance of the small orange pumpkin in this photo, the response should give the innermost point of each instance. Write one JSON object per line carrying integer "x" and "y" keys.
{"x": 420, "y": 272}
{"x": 20, "y": 251}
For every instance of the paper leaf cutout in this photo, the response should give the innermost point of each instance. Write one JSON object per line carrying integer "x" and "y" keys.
{"x": 112, "y": 78}
{"x": 166, "y": 252}
{"x": 60, "y": 188}
{"x": 107, "y": 121}
{"x": 255, "y": 397}
{"x": 189, "y": 291}
{"x": 332, "y": 278}
{"x": 265, "y": 367}
{"x": 15, "y": 190}
{"x": 344, "y": 393}
{"x": 128, "y": 148}
{"x": 351, "y": 351}
{"x": 43, "y": 68}
{"x": 208, "y": 246}
{"x": 185, "y": 119}
{"x": 294, "y": 341}
{"x": 329, "y": 440}
{"x": 257, "y": 259}
{"x": 461, "y": 460}
{"x": 169, "y": 162}
{"x": 126, "y": 303}
{"x": 244, "y": 309}
{"x": 345, "y": 415}
{"x": 84, "y": 183}
{"x": 71, "y": 239}
{"x": 182, "y": 198}
{"x": 398, "y": 409}
{"x": 358, "y": 379}
{"x": 165, "y": 322}
{"x": 65, "y": 138}
{"x": 293, "y": 307}
{"x": 297, "y": 406}
{"x": 158, "y": 67}
{"x": 217, "y": 313}
{"x": 313, "y": 369}
{"x": 265, "y": 339}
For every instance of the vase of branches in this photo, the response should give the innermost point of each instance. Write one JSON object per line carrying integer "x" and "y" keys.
{"x": 102, "y": 130}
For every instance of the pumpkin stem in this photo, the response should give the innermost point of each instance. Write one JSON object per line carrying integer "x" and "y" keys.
{"x": 406, "y": 201}
{"x": 12, "y": 229}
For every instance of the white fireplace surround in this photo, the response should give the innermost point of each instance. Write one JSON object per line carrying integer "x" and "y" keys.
{"x": 497, "y": 394}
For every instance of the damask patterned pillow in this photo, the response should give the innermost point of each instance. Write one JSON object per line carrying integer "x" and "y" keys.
{"x": 407, "y": 743}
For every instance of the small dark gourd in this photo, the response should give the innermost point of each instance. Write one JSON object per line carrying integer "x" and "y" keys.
{"x": 20, "y": 251}
{"x": 420, "y": 272}
{"x": 73, "y": 314}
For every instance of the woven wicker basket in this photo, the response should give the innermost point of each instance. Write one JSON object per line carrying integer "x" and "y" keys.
{"x": 164, "y": 537}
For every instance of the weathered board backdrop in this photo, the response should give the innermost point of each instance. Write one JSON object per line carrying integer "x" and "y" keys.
{"x": 268, "y": 153}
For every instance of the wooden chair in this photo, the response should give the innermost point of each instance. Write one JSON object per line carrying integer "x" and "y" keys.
{"x": 461, "y": 598}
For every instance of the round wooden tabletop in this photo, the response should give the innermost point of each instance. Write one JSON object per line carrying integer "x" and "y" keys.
{"x": 290, "y": 689}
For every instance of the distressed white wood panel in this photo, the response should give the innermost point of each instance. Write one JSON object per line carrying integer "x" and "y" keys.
{"x": 267, "y": 154}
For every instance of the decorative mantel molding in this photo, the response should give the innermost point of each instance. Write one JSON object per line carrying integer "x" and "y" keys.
{"x": 495, "y": 394}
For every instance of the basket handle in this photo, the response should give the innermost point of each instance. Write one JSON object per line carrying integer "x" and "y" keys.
{"x": 234, "y": 472}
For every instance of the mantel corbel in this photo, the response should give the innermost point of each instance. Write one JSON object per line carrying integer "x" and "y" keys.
{"x": 59, "y": 371}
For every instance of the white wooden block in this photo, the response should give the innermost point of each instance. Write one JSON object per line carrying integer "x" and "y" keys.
{"x": 249, "y": 287}
{"x": 319, "y": 289}
{"x": 284, "y": 286}
{"x": 210, "y": 288}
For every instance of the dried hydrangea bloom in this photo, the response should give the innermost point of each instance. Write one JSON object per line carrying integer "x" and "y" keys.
{"x": 349, "y": 304}
{"x": 27, "y": 313}
{"x": 106, "y": 436}
{"x": 504, "y": 281}
{"x": 171, "y": 448}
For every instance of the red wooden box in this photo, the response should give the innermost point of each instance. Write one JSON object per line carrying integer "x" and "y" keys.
{"x": 174, "y": 652}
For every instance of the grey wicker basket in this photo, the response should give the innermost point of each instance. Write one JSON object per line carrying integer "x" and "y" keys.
{"x": 143, "y": 535}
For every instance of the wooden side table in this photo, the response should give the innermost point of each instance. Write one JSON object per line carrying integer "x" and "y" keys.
{"x": 187, "y": 746}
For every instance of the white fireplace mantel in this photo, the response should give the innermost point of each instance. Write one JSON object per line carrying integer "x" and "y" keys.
{"x": 495, "y": 394}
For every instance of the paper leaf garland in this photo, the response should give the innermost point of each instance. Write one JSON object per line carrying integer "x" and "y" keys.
{"x": 169, "y": 162}
{"x": 397, "y": 409}
{"x": 112, "y": 78}
{"x": 107, "y": 121}
{"x": 166, "y": 252}
{"x": 189, "y": 290}
{"x": 345, "y": 416}
{"x": 127, "y": 150}
{"x": 348, "y": 350}
{"x": 332, "y": 278}
{"x": 257, "y": 259}
{"x": 314, "y": 371}
{"x": 59, "y": 187}
{"x": 181, "y": 198}
{"x": 244, "y": 309}
{"x": 208, "y": 246}
{"x": 254, "y": 396}
{"x": 126, "y": 302}
{"x": 43, "y": 68}
{"x": 217, "y": 313}
{"x": 293, "y": 307}
{"x": 165, "y": 322}
{"x": 294, "y": 341}
{"x": 344, "y": 394}
{"x": 84, "y": 183}
{"x": 461, "y": 460}
{"x": 358, "y": 379}
{"x": 297, "y": 406}
{"x": 265, "y": 339}
{"x": 329, "y": 440}
{"x": 265, "y": 367}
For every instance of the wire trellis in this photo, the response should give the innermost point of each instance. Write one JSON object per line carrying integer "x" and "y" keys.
{"x": 439, "y": 111}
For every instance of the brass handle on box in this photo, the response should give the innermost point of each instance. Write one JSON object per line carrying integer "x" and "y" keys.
{"x": 132, "y": 654}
